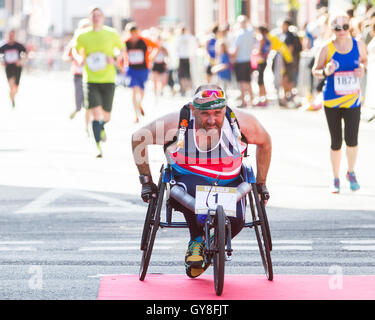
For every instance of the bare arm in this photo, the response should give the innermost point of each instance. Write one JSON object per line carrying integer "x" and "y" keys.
{"x": 158, "y": 132}
{"x": 256, "y": 134}
{"x": 318, "y": 69}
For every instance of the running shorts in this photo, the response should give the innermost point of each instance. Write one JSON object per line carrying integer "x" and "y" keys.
{"x": 12, "y": 71}
{"x": 243, "y": 71}
{"x": 184, "y": 69}
{"x": 351, "y": 117}
{"x": 159, "y": 68}
{"x": 138, "y": 77}
{"x": 100, "y": 94}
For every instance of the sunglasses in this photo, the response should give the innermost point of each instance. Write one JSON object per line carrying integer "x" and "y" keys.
{"x": 204, "y": 94}
{"x": 344, "y": 27}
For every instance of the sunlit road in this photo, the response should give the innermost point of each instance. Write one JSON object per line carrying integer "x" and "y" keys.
{"x": 66, "y": 218}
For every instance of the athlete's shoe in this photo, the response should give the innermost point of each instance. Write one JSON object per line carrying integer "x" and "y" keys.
{"x": 350, "y": 176}
{"x": 196, "y": 272}
{"x": 72, "y": 115}
{"x": 336, "y": 185}
{"x": 100, "y": 154}
{"x": 194, "y": 255}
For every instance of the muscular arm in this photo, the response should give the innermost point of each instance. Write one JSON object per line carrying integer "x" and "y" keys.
{"x": 256, "y": 134}
{"x": 158, "y": 132}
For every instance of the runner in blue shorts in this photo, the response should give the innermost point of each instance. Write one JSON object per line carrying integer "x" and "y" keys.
{"x": 138, "y": 49}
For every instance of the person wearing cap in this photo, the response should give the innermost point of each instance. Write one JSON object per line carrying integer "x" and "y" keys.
{"x": 212, "y": 152}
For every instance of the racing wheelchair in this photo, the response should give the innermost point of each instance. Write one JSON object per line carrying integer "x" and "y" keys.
{"x": 217, "y": 242}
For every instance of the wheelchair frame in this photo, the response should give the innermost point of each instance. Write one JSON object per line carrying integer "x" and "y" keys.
{"x": 220, "y": 223}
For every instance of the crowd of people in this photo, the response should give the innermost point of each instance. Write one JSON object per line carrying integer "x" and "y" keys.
{"x": 240, "y": 56}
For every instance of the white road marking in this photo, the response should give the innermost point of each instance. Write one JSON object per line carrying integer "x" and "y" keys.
{"x": 124, "y": 248}
{"x": 359, "y": 248}
{"x": 17, "y": 249}
{"x": 359, "y": 241}
{"x": 42, "y": 204}
{"x": 20, "y": 242}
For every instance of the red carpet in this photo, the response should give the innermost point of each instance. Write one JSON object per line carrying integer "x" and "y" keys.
{"x": 237, "y": 287}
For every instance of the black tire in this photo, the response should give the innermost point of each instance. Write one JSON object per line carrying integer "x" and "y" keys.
{"x": 148, "y": 224}
{"x": 266, "y": 224}
{"x": 261, "y": 232}
{"x": 150, "y": 216}
{"x": 149, "y": 243}
{"x": 219, "y": 255}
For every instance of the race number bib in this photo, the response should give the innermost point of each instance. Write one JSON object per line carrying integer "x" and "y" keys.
{"x": 208, "y": 197}
{"x": 97, "y": 61}
{"x": 136, "y": 56}
{"x": 11, "y": 56}
{"x": 346, "y": 83}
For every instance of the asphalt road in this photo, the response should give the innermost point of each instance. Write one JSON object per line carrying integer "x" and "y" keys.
{"x": 66, "y": 218}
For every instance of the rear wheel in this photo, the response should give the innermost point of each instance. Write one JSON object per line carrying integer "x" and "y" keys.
{"x": 219, "y": 254}
{"x": 262, "y": 232}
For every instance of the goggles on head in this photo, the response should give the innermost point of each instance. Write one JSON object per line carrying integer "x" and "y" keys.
{"x": 208, "y": 93}
{"x": 219, "y": 103}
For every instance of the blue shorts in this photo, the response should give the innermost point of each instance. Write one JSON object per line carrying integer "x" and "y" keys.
{"x": 138, "y": 77}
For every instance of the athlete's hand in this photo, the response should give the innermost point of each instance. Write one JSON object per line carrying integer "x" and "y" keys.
{"x": 263, "y": 192}
{"x": 359, "y": 72}
{"x": 19, "y": 63}
{"x": 149, "y": 191}
{"x": 330, "y": 68}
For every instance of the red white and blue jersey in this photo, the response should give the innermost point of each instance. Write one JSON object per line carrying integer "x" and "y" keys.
{"x": 223, "y": 161}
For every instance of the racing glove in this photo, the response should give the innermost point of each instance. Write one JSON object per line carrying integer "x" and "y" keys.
{"x": 149, "y": 189}
{"x": 263, "y": 191}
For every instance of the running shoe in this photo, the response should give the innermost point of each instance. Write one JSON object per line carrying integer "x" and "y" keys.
{"x": 72, "y": 115}
{"x": 262, "y": 104}
{"x": 100, "y": 155}
{"x": 196, "y": 272}
{"x": 336, "y": 186}
{"x": 194, "y": 255}
{"x": 350, "y": 176}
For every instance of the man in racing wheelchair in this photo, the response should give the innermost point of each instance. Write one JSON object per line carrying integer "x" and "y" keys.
{"x": 204, "y": 144}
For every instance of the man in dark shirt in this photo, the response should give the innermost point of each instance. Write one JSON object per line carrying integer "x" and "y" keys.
{"x": 140, "y": 52}
{"x": 14, "y": 55}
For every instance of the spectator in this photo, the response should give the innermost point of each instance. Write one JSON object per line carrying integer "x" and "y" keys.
{"x": 290, "y": 38}
{"x": 264, "y": 50}
{"x": 210, "y": 48}
{"x": 244, "y": 42}
{"x": 185, "y": 44}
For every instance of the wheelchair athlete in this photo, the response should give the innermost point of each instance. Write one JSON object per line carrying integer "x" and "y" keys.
{"x": 208, "y": 149}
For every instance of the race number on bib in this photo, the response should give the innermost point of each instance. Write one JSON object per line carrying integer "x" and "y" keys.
{"x": 136, "y": 57}
{"x": 208, "y": 197}
{"x": 97, "y": 61}
{"x": 11, "y": 56}
{"x": 346, "y": 83}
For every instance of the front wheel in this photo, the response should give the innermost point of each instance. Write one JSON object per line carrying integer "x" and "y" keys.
{"x": 219, "y": 255}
